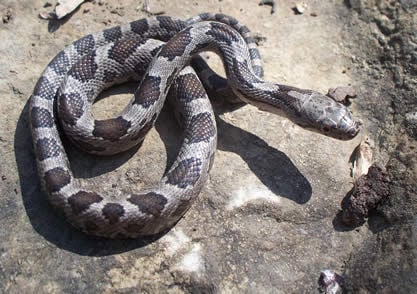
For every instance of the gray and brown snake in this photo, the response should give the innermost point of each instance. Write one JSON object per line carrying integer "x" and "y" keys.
{"x": 158, "y": 51}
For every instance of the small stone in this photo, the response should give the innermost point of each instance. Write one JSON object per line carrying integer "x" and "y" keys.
{"x": 411, "y": 124}
{"x": 47, "y": 15}
{"x": 330, "y": 282}
{"x": 355, "y": 4}
{"x": 300, "y": 7}
{"x": 7, "y": 16}
{"x": 259, "y": 39}
{"x": 341, "y": 94}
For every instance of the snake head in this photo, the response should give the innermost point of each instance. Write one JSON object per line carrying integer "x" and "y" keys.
{"x": 322, "y": 114}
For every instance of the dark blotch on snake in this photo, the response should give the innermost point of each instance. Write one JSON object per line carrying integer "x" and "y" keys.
{"x": 220, "y": 34}
{"x": 111, "y": 129}
{"x": 226, "y": 19}
{"x": 243, "y": 30}
{"x": 45, "y": 89}
{"x": 204, "y": 16}
{"x": 47, "y": 148}
{"x": 85, "y": 44}
{"x": 85, "y": 69}
{"x": 112, "y": 34}
{"x": 56, "y": 178}
{"x": 41, "y": 117}
{"x": 220, "y": 16}
{"x": 109, "y": 75}
{"x": 60, "y": 64}
{"x": 202, "y": 128}
{"x": 142, "y": 64}
{"x": 189, "y": 88}
{"x": 112, "y": 212}
{"x": 124, "y": 48}
{"x": 171, "y": 26}
{"x": 232, "y": 21}
{"x": 149, "y": 203}
{"x": 82, "y": 200}
{"x": 148, "y": 92}
{"x": 140, "y": 26}
{"x": 243, "y": 74}
{"x": 176, "y": 47}
{"x": 187, "y": 172}
{"x": 70, "y": 108}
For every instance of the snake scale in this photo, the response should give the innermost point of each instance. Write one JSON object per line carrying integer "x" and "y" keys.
{"x": 157, "y": 51}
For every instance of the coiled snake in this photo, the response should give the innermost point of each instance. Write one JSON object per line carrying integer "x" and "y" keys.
{"x": 159, "y": 49}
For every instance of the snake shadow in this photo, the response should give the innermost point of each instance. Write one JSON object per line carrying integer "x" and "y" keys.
{"x": 271, "y": 166}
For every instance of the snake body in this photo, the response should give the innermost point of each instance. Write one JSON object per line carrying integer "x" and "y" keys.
{"x": 159, "y": 51}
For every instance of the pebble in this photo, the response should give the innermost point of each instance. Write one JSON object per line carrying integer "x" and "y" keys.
{"x": 300, "y": 7}
{"x": 342, "y": 94}
{"x": 411, "y": 124}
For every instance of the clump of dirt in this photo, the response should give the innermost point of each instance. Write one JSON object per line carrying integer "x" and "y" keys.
{"x": 370, "y": 190}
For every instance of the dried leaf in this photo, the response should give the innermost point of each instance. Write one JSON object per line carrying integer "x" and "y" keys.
{"x": 362, "y": 158}
{"x": 65, "y": 7}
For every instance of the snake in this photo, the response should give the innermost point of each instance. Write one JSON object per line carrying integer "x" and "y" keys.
{"x": 163, "y": 54}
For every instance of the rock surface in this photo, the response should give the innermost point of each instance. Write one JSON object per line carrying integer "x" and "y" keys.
{"x": 266, "y": 220}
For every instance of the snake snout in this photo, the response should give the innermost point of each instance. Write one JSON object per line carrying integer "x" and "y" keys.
{"x": 348, "y": 128}
{"x": 354, "y": 130}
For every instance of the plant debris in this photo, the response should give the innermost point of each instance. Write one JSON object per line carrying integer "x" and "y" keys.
{"x": 270, "y": 3}
{"x": 62, "y": 9}
{"x": 362, "y": 158}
